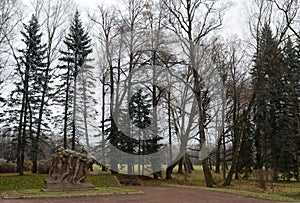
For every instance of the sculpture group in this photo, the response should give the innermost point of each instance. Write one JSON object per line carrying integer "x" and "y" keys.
{"x": 68, "y": 169}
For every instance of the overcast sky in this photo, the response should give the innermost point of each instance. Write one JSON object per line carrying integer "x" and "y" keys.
{"x": 233, "y": 21}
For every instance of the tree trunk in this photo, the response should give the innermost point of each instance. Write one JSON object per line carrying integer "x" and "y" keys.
{"x": 180, "y": 166}
{"x": 19, "y": 138}
{"x": 38, "y": 133}
{"x": 169, "y": 170}
{"x": 23, "y": 141}
{"x": 24, "y": 132}
{"x": 102, "y": 126}
{"x": 74, "y": 115}
{"x": 202, "y": 115}
{"x": 232, "y": 169}
{"x": 66, "y": 108}
{"x": 85, "y": 115}
{"x": 170, "y": 129}
{"x": 208, "y": 176}
{"x": 218, "y": 156}
{"x": 228, "y": 179}
{"x": 114, "y": 128}
{"x": 189, "y": 162}
{"x": 85, "y": 108}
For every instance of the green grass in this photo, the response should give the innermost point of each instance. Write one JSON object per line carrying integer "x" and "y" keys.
{"x": 36, "y": 181}
{"x": 31, "y": 185}
{"x": 16, "y": 182}
{"x": 99, "y": 191}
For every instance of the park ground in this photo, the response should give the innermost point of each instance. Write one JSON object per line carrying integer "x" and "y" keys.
{"x": 153, "y": 194}
{"x": 182, "y": 188}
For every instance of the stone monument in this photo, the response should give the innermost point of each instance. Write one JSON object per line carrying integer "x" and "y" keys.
{"x": 68, "y": 171}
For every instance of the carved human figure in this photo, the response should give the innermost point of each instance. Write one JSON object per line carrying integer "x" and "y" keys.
{"x": 56, "y": 168}
{"x": 78, "y": 167}
{"x": 85, "y": 166}
{"x": 68, "y": 169}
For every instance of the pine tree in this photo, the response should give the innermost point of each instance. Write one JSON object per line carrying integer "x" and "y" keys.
{"x": 78, "y": 47}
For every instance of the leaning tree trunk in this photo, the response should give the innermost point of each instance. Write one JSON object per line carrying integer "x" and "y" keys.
{"x": 85, "y": 113}
{"x": 102, "y": 126}
{"x": 74, "y": 115}
{"x": 228, "y": 179}
{"x": 202, "y": 114}
{"x": 218, "y": 156}
{"x": 66, "y": 108}
{"x": 38, "y": 133}
{"x": 23, "y": 138}
{"x": 19, "y": 137}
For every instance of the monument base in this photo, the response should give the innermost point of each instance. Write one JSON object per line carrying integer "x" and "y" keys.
{"x": 66, "y": 186}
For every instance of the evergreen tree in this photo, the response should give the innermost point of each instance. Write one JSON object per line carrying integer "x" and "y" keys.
{"x": 144, "y": 141}
{"x": 30, "y": 69}
{"x": 272, "y": 108}
{"x": 139, "y": 109}
{"x": 246, "y": 159}
{"x": 259, "y": 74}
{"x": 290, "y": 129}
{"x": 78, "y": 47}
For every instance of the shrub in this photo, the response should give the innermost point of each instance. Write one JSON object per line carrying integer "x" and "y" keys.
{"x": 7, "y": 167}
{"x": 43, "y": 166}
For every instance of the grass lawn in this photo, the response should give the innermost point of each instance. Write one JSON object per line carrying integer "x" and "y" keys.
{"x": 31, "y": 185}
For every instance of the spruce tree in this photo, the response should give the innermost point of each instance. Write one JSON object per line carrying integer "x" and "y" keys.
{"x": 272, "y": 108}
{"x": 246, "y": 158}
{"x": 140, "y": 108}
{"x": 78, "y": 47}
{"x": 262, "y": 61}
{"x": 290, "y": 128}
{"x": 30, "y": 70}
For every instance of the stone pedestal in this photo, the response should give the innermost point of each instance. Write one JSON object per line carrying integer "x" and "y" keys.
{"x": 66, "y": 186}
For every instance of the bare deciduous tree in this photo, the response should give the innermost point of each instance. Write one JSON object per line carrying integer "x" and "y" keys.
{"x": 192, "y": 21}
{"x": 10, "y": 16}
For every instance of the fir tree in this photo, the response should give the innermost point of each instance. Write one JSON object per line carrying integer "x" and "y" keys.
{"x": 78, "y": 47}
{"x": 272, "y": 108}
{"x": 246, "y": 159}
{"x": 139, "y": 109}
{"x": 290, "y": 128}
{"x": 30, "y": 70}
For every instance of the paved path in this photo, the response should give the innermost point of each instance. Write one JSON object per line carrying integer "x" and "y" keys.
{"x": 154, "y": 195}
